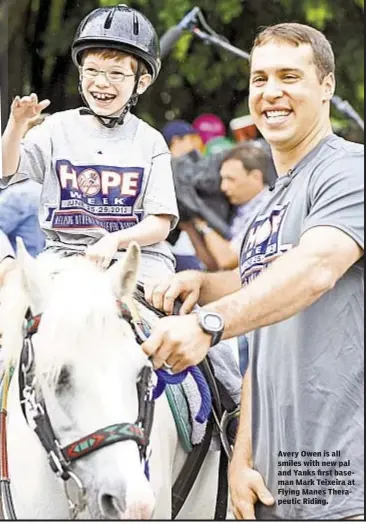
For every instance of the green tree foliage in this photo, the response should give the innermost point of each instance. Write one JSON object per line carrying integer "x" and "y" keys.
{"x": 196, "y": 77}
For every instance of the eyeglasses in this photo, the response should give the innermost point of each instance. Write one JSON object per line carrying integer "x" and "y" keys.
{"x": 113, "y": 76}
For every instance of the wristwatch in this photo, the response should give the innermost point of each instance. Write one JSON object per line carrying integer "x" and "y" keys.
{"x": 211, "y": 323}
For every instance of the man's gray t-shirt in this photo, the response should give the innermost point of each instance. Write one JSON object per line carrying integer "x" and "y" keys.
{"x": 307, "y": 371}
{"x": 97, "y": 180}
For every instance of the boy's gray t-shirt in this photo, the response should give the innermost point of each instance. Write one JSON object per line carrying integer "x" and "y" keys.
{"x": 307, "y": 371}
{"x": 97, "y": 179}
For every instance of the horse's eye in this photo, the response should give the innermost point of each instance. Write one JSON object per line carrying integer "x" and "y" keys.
{"x": 64, "y": 380}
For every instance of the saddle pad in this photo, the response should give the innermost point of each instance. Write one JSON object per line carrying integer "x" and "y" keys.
{"x": 179, "y": 407}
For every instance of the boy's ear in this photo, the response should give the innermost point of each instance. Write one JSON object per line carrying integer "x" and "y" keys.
{"x": 144, "y": 83}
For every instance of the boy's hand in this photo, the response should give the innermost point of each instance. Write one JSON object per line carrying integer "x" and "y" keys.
{"x": 27, "y": 108}
{"x": 102, "y": 252}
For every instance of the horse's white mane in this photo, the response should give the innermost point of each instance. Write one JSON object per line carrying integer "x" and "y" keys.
{"x": 79, "y": 312}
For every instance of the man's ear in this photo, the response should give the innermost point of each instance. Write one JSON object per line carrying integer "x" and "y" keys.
{"x": 329, "y": 87}
{"x": 256, "y": 174}
{"x": 144, "y": 83}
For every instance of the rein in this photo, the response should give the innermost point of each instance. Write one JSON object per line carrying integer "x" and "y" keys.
{"x": 5, "y": 493}
{"x": 221, "y": 408}
{"x": 142, "y": 332}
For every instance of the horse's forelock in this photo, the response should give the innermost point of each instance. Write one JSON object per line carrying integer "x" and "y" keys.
{"x": 79, "y": 324}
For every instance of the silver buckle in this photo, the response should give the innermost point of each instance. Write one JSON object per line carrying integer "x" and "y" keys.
{"x": 32, "y": 407}
{"x": 27, "y": 367}
{"x": 78, "y": 506}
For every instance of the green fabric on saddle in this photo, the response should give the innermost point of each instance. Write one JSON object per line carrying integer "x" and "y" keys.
{"x": 179, "y": 407}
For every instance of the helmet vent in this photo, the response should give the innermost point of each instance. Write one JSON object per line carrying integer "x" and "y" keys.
{"x": 83, "y": 24}
{"x": 108, "y": 20}
{"x": 135, "y": 24}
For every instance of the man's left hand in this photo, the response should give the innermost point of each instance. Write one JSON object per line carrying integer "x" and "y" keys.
{"x": 177, "y": 341}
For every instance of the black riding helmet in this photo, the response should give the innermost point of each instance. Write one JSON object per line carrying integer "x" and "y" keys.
{"x": 124, "y": 29}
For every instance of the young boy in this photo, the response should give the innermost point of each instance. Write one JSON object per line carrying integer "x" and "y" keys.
{"x": 106, "y": 174}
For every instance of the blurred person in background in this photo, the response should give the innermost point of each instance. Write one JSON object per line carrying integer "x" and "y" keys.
{"x": 19, "y": 215}
{"x": 245, "y": 183}
{"x": 181, "y": 138}
{"x": 209, "y": 126}
{"x": 184, "y": 242}
{"x": 19, "y": 208}
{"x": 244, "y": 180}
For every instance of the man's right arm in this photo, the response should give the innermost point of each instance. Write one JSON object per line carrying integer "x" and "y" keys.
{"x": 218, "y": 284}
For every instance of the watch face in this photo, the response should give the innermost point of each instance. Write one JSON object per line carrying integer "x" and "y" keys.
{"x": 213, "y": 322}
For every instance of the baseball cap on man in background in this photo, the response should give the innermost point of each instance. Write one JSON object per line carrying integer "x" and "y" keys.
{"x": 181, "y": 137}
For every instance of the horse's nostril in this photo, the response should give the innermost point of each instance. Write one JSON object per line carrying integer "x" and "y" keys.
{"x": 111, "y": 507}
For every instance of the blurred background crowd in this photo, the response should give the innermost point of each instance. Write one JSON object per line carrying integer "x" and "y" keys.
{"x": 220, "y": 176}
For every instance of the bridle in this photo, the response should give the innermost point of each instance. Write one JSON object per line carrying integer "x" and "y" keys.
{"x": 150, "y": 385}
{"x": 61, "y": 458}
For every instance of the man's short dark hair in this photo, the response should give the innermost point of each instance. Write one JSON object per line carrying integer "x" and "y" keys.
{"x": 298, "y": 34}
{"x": 252, "y": 155}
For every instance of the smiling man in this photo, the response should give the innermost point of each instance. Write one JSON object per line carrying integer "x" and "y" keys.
{"x": 298, "y": 294}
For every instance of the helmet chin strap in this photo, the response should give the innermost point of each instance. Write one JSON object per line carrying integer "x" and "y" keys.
{"x": 112, "y": 121}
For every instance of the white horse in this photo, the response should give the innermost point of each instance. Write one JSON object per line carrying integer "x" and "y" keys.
{"x": 87, "y": 363}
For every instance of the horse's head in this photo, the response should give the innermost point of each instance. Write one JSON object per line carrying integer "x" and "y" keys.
{"x": 87, "y": 364}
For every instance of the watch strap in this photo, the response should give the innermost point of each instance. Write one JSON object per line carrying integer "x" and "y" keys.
{"x": 215, "y": 338}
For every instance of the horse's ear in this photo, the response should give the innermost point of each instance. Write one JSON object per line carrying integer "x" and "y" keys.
{"x": 31, "y": 276}
{"x": 124, "y": 272}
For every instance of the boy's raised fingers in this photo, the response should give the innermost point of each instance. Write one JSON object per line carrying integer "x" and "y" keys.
{"x": 25, "y": 101}
{"x": 34, "y": 98}
{"x": 42, "y": 105}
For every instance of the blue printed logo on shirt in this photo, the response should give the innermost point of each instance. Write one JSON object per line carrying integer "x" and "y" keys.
{"x": 97, "y": 196}
{"x": 262, "y": 243}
